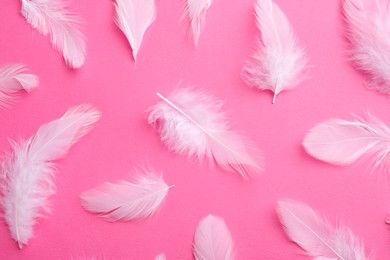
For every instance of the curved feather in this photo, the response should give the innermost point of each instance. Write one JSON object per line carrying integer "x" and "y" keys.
{"x": 343, "y": 142}
{"x": 192, "y": 123}
{"x": 278, "y": 62}
{"x": 368, "y": 27}
{"x": 12, "y": 81}
{"x": 27, "y": 173}
{"x": 213, "y": 240}
{"x": 137, "y": 198}
{"x": 196, "y": 12}
{"x": 316, "y": 236}
{"x": 53, "y": 17}
{"x": 134, "y": 17}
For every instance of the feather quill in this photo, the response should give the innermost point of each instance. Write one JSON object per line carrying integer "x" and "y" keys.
{"x": 160, "y": 257}
{"x": 368, "y": 28}
{"x": 278, "y": 62}
{"x": 134, "y": 17}
{"x": 133, "y": 199}
{"x": 342, "y": 142}
{"x": 12, "y": 81}
{"x": 27, "y": 173}
{"x": 213, "y": 240}
{"x": 196, "y": 12}
{"x": 316, "y": 236}
{"x": 53, "y": 17}
{"x": 192, "y": 123}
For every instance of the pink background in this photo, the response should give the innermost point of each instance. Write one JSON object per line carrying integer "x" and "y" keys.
{"x": 122, "y": 139}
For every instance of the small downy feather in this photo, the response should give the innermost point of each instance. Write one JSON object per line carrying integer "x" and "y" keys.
{"x": 342, "y": 142}
{"x": 196, "y": 12}
{"x": 134, "y": 17}
{"x": 278, "y": 62}
{"x": 368, "y": 30}
{"x": 192, "y": 123}
{"x": 316, "y": 236}
{"x": 133, "y": 199}
{"x": 54, "y": 18}
{"x": 12, "y": 81}
{"x": 26, "y": 177}
{"x": 213, "y": 240}
{"x": 160, "y": 257}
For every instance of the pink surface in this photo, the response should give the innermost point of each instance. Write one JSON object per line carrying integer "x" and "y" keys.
{"x": 123, "y": 139}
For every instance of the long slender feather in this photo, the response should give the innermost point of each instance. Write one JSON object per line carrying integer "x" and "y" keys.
{"x": 278, "y": 62}
{"x": 134, "y": 17}
{"x": 12, "y": 81}
{"x": 213, "y": 240}
{"x": 368, "y": 28}
{"x": 192, "y": 123}
{"x": 133, "y": 199}
{"x": 343, "y": 142}
{"x": 53, "y": 17}
{"x": 316, "y": 236}
{"x": 196, "y": 12}
{"x": 27, "y": 173}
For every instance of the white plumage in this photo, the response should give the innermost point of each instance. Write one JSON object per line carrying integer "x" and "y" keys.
{"x": 54, "y": 18}
{"x": 136, "y": 198}
{"x": 278, "y": 62}
{"x": 134, "y": 17}
{"x": 316, "y": 236}
{"x": 193, "y": 124}
{"x": 343, "y": 142}
{"x": 196, "y": 12}
{"x": 213, "y": 240}
{"x": 13, "y": 79}
{"x": 27, "y": 173}
{"x": 160, "y": 257}
{"x": 368, "y": 30}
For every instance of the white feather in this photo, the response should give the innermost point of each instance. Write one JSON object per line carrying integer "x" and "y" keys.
{"x": 12, "y": 81}
{"x": 53, "y": 17}
{"x": 160, "y": 257}
{"x": 136, "y": 198}
{"x": 279, "y": 62}
{"x": 316, "y": 236}
{"x": 27, "y": 173}
{"x": 196, "y": 12}
{"x": 192, "y": 123}
{"x": 368, "y": 23}
{"x": 134, "y": 17}
{"x": 213, "y": 240}
{"x": 343, "y": 142}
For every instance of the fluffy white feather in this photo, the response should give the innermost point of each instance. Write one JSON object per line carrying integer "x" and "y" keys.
{"x": 136, "y": 198}
{"x": 192, "y": 123}
{"x": 196, "y": 12}
{"x": 213, "y": 240}
{"x": 12, "y": 81}
{"x": 278, "y": 62}
{"x": 160, "y": 257}
{"x": 316, "y": 236}
{"x": 54, "y": 18}
{"x": 134, "y": 17}
{"x": 343, "y": 142}
{"x": 368, "y": 23}
{"x": 27, "y": 173}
